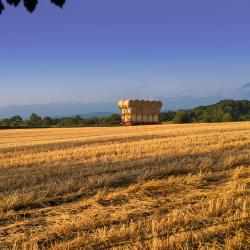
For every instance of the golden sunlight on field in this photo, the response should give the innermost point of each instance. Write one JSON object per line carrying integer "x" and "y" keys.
{"x": 145, "y": 187}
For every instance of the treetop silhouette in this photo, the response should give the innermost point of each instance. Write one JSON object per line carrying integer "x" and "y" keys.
{"x": 30, "y": 5}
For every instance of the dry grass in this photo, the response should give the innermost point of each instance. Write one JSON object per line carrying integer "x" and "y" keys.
{"x": 145, "y": 187}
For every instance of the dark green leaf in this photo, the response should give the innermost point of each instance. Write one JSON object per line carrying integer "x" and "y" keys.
{"x": 30, "y": 5}
{"x": 58, "y": 2}
{"x": 13, "y": 2}
{"x": 1, "y": 7}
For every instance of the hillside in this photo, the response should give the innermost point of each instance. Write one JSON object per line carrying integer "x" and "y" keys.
{"x": 222, "y": 111}
{"x": 147, "y": 187}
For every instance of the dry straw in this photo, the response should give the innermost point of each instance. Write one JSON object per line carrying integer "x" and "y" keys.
{"x": 139, "y": 111}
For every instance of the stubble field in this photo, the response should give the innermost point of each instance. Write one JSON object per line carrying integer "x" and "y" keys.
{"x": 145, "y": 187}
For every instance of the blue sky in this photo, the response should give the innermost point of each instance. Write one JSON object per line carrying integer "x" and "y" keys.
{"x": 102, "y": 50}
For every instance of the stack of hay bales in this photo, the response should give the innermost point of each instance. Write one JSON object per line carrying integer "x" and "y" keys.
{"x": 135, "y": 112}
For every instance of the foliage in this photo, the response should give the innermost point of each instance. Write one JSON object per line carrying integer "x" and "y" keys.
{"x": 30, "y": 5}
{"x": 223, "y": 111}
{"x": 15, "y": 121}
{"x": 36, "y": 121}
{"x": 167, "y": 116}
{"x": 181, "y": 117}
{"x": 110, "y": 120}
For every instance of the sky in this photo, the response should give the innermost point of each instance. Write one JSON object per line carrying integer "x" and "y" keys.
{"x": 103, "y": 50}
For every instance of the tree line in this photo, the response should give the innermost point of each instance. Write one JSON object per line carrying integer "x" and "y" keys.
{"x": 30, "y": 5}
{"x": 223, "y": 111}
{"x": 36, "y": 121}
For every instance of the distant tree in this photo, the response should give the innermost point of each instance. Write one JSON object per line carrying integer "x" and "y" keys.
{"x": 245, "y": 117}
{"x": 47, "y": 121}
{"x": 67, "y": 122}
{"x": 223, "y": 111}
{"x": 5, "y": 122}
{"x": 112, "y": 120}
{"x": 181, "y": 117}
{"x": 93, "y": 121}
{"x": 227, "y": 117}
{"x": 205, "y": 117}
{"x": 30, "y": 5}
{"x": 34, "y": 121}
{"x": 16, "y": 121}
{"x": 167, "y": 116}
{"x": 77, "y": 120}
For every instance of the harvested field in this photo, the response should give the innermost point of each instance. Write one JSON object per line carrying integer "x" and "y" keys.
{"x": 145, "y": 187}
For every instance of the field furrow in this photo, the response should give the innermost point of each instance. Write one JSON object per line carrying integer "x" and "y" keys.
{"x": 145, "y": 187}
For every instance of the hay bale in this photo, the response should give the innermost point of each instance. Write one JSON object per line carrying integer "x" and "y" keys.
{"x": 150, "y": 118}
{"x": 156, "y": 118}
{"x": 139, "y": 111}
{"x": 139, "y": 118}
{"x": 120, "y": 104}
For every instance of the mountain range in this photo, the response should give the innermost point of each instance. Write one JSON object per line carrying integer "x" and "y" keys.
{"x": 106, "y": 108}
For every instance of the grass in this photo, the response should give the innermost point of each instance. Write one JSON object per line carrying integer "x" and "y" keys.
{"x": 146, "y": 187}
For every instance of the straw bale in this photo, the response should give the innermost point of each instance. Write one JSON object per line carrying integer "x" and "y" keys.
{"x": 139, "y": 118}
{"x": 156, "y": 118}
{"x": 150, "y": 118}
{"x": 120, "y": 104}
{"x": 144, "y": 118}
{"x": 134, "y": 117}
{"x": 139, "y": 111}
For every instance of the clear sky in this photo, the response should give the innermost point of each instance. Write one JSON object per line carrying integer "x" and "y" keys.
{"x": 101, "y": 50}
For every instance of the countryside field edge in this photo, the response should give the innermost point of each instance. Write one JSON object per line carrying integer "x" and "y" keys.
{"x": 146, "y": 187}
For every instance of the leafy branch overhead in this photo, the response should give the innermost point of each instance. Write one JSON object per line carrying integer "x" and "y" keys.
{"x": 30, "y": 5}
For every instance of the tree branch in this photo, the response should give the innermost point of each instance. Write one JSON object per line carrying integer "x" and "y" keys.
{"x": 30, "y": 5}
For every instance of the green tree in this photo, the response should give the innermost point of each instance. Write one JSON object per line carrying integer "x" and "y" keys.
{"x": 181, "y": 117}
{"x": 65, "y": 123}
{"x": 205, "y": 117}
{"x": 112, "y": 120}
{"x": 167, "y": 116}
{"x": 47, "y": 121}
{"x": 227, "y": 117}
{"x": 35, "y": 121}
{"x": 93, "y": 121}
{"x": 77, "y": 120}
{"x": 6, "y": 123}
{"x": 16, "y": 121}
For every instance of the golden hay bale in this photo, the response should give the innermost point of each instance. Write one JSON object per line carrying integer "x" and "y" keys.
{"x": 125, "y": 103}
{"x": 139, "y": 106}
{"x": 144, "y": 106}
{"x": 150, "y": 108}
{"x": 155, "y": 107}
{"x": 120, "y": 104}
{"x": 138, "y": 111}
{"x": 159, "y": 105}
{"x": 156, "y": 118}
{"x": 139, "y": 118}
{"x": 150, "y": 118}
{"x": 144, "y": 118}
{"x": 128, "y": 103}
{"x": 136, "y": 108}
{"x": 133, "y": 117}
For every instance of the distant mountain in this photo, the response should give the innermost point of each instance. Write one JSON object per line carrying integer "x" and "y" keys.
{"x": 187, "y": 102}
{"x": 107, "y": 108}
{"x": 60, "y": 109}
{"x": 243, "y": 92}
